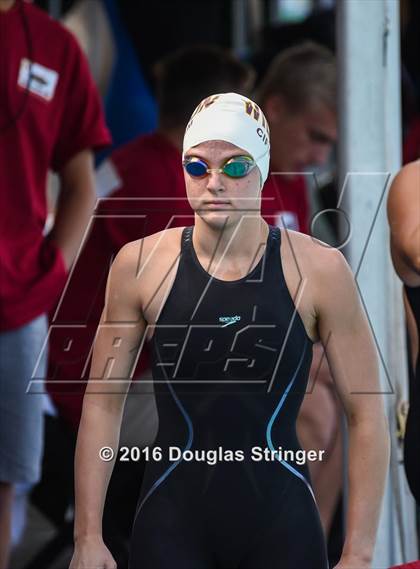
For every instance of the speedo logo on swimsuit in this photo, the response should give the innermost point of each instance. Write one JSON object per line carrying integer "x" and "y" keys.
{"x": 228, "y": 320}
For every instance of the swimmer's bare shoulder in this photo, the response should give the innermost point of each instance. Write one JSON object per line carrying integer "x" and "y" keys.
{"x": 317, "y": 276}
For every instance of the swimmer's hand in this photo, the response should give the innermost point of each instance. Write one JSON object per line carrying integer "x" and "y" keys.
{"x": 92, "y": 553}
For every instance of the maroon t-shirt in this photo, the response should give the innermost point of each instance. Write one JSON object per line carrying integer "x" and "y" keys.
{"x": 44, "y": 122}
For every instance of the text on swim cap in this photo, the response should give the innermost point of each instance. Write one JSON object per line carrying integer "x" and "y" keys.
{"x": 262, "y": 135}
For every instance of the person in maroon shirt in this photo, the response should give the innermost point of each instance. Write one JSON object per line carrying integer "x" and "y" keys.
{"x": 298, "y": 97}
{"x": 50, "y": 118}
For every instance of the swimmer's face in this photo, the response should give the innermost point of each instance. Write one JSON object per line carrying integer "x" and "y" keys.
{"x": 217, "y": 198}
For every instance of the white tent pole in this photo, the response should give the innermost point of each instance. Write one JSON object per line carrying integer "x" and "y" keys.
{"x": 369, "y": 155}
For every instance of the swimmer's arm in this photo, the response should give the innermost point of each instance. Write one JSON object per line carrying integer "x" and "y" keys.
{"x": 119, "y": 336}
{"x": 404, "y": 223}
{"x": 351, "y": 354}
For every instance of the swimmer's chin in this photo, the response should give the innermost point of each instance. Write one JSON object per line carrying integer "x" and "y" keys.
{"x": 217, "y": 219}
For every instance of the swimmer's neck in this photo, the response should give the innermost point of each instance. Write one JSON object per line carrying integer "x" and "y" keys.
{"x": 241, "y": 241}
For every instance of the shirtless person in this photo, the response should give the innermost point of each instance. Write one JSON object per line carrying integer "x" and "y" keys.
{"x": 404, "y": 223}
{"x": 231, "y": 321}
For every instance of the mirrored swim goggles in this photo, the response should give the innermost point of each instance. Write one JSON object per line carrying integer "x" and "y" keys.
{"x": 235, "y": 167}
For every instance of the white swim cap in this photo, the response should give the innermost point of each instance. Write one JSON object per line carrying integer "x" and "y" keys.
{"x": 235, "y": 119}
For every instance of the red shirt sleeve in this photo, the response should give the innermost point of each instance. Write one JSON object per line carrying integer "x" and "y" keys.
{"x": 82, "y": 123}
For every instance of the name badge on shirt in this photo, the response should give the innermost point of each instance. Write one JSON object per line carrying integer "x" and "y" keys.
{"x": 42, "y": 81}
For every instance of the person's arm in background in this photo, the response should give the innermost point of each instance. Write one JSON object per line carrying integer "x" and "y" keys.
{"x": 103, "y": 407}
{"x": 404, "y": 223}
{"x": 352, "y": 357}
{"x": 75, "y": 204}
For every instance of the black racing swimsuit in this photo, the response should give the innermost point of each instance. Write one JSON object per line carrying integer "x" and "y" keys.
{"x": 412, "y": 433}
{"x": 230, "y": 368}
